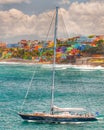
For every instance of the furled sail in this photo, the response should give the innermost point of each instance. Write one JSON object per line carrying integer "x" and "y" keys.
{"x": 58, "y": 109}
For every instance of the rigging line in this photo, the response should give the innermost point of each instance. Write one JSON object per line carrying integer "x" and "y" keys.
{"x": 64, "y": 24}
{"x": 50, "y": 26}
{"x": 27, "y": 90}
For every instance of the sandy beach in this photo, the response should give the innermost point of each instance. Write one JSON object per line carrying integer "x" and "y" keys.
{"x": 14, "y": 60}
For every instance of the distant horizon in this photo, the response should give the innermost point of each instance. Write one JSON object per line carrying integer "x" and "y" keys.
{"x": 15, "y": 42}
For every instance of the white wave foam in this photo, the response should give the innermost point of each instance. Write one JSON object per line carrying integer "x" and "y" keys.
{"x": 59, "y": 66}
{"x": 81, "y": 67}
{"x": 16, "y": 63}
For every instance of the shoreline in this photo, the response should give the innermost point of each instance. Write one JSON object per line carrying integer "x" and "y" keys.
{"x": 81, "y": 61}
{"x": 21, "y": 61}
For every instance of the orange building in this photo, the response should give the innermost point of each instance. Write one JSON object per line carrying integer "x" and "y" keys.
{"x": 2, "y": 45}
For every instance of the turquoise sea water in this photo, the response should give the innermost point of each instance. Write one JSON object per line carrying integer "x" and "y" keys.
{"x": 75, "y": 87}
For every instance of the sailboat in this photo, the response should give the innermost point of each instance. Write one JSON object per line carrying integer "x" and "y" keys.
{"x": 58, "y": 115}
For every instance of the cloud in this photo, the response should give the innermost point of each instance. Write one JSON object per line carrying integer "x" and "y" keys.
{"x": 96, "y": 0}
{"x": 13, "y": 1}
{"x": 63, "y": 2}
{"x": 15, "y": 23}
{"x": 80, "y": 18}
{"x": 88, "y": 17}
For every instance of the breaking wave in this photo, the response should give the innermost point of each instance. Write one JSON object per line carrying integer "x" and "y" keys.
{"x": 81, "y": 67}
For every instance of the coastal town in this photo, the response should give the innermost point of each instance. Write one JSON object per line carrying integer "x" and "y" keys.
{"x": 75, "y": 50}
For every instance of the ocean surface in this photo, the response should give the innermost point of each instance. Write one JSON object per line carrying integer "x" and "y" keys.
{"x": 75, "y": 86}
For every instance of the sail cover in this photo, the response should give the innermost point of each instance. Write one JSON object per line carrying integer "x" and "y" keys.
{"x": 58, "y": 109}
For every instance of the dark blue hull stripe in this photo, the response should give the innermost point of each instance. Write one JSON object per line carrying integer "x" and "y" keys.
{"x": 55, "y": 119}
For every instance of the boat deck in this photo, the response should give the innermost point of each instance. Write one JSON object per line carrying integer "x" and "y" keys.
{"x": 62, "y": 115}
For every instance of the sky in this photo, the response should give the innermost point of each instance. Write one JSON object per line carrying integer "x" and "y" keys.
{"x": 31, "y": 19}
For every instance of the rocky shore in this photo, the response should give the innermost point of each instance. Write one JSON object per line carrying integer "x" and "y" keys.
{"x": 93, "y": 61}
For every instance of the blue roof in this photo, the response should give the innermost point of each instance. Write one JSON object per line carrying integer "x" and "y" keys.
{"x": 12, "y": 45}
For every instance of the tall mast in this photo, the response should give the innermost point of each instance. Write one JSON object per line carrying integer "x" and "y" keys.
{"x": 54, "y": 60}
